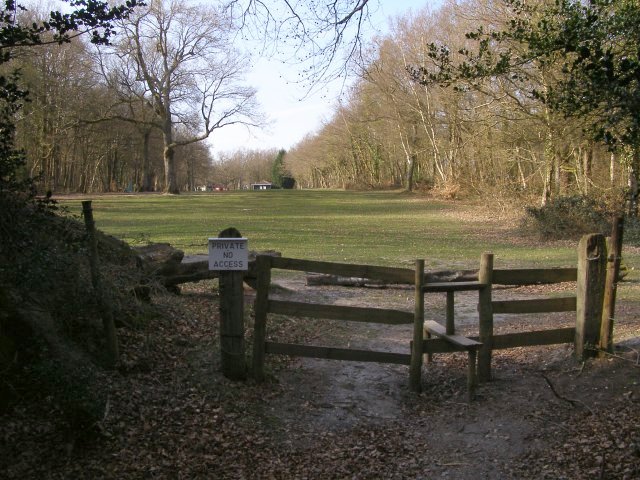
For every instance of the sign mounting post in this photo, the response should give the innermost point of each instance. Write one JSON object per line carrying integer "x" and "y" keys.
{"x": 229, "y": 254}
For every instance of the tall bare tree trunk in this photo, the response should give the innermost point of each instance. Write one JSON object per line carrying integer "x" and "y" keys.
{"x": 632, "y": 184}
{"x": 409, "y": 145}
{"x": 170, "y": 173}
{"x": 550, "y": 161}
{"x": 612, "y": 169}
{"x": 587, "y": 165}
{"x": 147, "y": 174}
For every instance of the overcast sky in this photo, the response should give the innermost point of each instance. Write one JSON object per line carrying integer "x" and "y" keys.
{"x": 292, "y": 116}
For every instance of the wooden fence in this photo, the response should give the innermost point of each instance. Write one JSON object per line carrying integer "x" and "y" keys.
{"x": 430, "y": 337}
{"x": 264, "y": 306}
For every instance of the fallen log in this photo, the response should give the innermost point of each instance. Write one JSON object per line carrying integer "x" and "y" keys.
{"x": 169, "y": 266}
{"x": 159, "y": 254}
{"x": 430, "y": 277}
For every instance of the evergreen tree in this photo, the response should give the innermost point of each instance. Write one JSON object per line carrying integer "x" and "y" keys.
{"x": 278, "y": 171}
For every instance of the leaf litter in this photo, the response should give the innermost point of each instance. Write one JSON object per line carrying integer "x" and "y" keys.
{"x": 169, "y": 413}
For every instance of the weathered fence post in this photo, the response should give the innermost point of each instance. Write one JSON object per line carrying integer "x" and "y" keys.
{"x": 592, "y": 262}
{"x": 450, "y": 315}
{"x": 263, "y": 281}
{"x": 232, "y": 349}
{"x": 485, "y": 313}
{"x": 611, "y": 283}
{"x": 415, "y": 371}
{"x": 108, "y": 323}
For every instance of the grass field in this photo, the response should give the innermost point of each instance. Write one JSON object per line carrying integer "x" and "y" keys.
{"x": 382, "y": 228}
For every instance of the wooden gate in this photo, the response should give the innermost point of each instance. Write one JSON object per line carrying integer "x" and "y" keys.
{"x": 264, "y": 305}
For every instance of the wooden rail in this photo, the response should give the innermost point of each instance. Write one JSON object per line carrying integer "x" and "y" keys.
{"x": 333, "y": 353}
{"x": 585, "y": 303}
{"x": 390, "y": 274}
{"x": 531, "y": 339}
{"x": 536, "y": 305}
{"x": 340, "y": 312}
{"x": 452, "y": 287}
{"x": 534, "y": 276}
{"x": 264, "y": 305}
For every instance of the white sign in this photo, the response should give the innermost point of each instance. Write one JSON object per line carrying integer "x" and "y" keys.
{"x": 228, "y": 254}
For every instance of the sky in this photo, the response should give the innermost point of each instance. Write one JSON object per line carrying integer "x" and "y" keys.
{"x": 291, "y": 112}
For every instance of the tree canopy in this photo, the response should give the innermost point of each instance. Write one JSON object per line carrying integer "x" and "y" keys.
{"x": 91, "y": 17}
{"x": 593, "y": 47}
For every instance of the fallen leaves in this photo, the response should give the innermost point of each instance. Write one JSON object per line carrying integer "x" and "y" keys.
{"x": 173, "y": 415}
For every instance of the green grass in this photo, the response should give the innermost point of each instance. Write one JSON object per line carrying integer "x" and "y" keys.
{"x": 381, "y": 228}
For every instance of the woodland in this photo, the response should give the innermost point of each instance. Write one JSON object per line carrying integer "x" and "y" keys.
{"x": 105, "y": 374}
{"x": 463, "y": 100}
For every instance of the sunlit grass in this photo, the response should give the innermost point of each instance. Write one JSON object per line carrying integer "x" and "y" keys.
{"x": 383, "y": 228}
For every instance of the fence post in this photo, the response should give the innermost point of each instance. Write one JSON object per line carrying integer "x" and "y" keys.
{"x": 108, "y": 323}
{"x": 450, "y": 315}
{"x": 415, "y": 371}
{"x": 611, "y": 284}
{"x": 485, "y": 313}
{"x": 592, "y": 263}
{"x": 263, "y": 281}
{"x": 232, "y": 348}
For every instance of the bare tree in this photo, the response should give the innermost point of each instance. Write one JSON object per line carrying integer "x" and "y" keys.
{"x": 178, "y": 60}
{"x": 319, "y": 37}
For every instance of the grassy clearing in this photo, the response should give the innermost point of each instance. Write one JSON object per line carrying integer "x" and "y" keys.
{"x": 384, "y": 228}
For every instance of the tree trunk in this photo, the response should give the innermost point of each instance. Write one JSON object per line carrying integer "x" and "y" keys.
{"x": 612, "y": 169}
{"x": 411, "y": 165}
{"x": 632, "y": 184}
{"x": 170, "y": 174}
{"x": 147, "y": 174}
{"x": 587, "y": 165}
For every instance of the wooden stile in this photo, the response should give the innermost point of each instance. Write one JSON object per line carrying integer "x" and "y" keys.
{"x": 450, "y": 314}
{"x": 459, "y": 340}
{"x": 478, "y": 348}
{"x": 472, "y": 374}
{"x": 468, "y": 344}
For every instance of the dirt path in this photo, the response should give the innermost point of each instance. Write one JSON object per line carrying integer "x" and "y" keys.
{"x": 516, "y": 416}
{"x": 169, "y": 413}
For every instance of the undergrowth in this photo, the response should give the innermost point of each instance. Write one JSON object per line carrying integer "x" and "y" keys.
{"x": 568, "y": 217}
{"x": 51, "y": 339}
